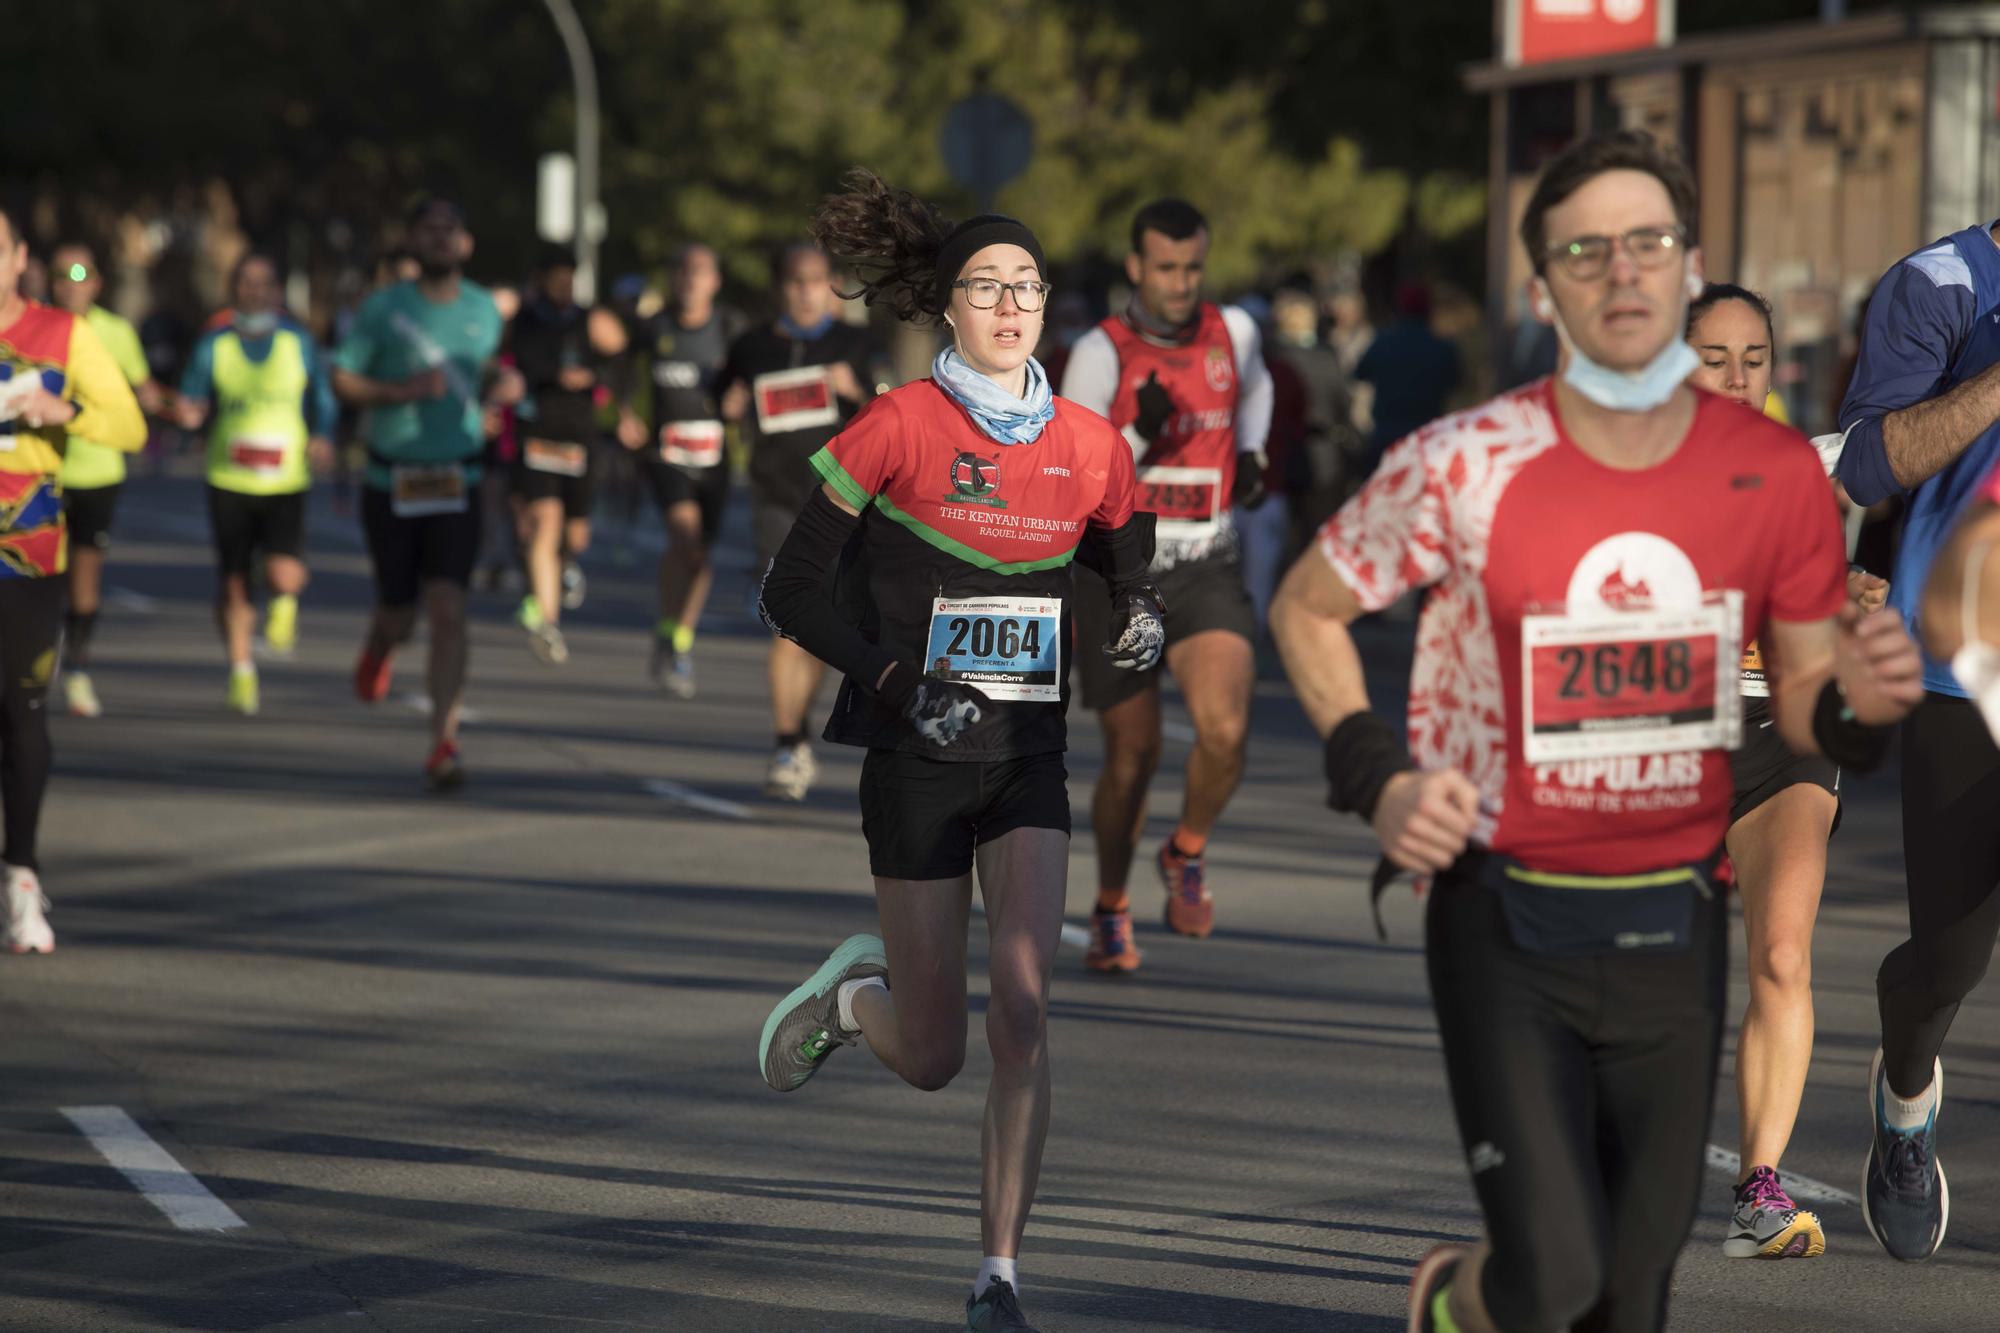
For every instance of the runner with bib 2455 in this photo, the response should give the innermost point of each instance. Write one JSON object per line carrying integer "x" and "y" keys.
{"x": 972, "y": 492}
{"x": 1185, "y": 381}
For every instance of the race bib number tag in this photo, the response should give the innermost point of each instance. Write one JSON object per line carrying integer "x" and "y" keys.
{"x": 419, "y": 490}
{"x": 1640, "y": 682}
{"x": 1755, "y": 685}
{"x": 556, "y": 457}
{"x": 266, "y": 457}
{"x": 1007, "y": 646}
{"x": 695, "y": 444}
{"x": 794, "y": 400}
{"x": 1187, "y": 499}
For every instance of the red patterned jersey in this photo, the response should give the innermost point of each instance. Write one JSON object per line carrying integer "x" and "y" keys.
{"x": 1577, "y": 650}
{"x": 53, "y": 350}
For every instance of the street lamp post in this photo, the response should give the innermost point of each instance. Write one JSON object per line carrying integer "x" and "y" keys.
{"x": 584, "y": 74}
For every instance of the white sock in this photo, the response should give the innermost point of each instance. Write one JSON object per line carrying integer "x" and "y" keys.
{"x": 242, "y": 668}
{"x": 1908, "y": 1113}
{"x": 846, "y": 993}
{"x": 991, "y": 1269}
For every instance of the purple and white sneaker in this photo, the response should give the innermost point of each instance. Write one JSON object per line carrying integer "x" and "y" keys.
{"x": 1766, "y": 1224}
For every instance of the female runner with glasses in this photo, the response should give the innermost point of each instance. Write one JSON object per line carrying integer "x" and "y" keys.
{"x": 942, "y": 538}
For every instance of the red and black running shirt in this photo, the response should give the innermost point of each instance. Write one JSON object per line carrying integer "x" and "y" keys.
{"x": 963, "y": 561}
{"x": 1563, "y": 604}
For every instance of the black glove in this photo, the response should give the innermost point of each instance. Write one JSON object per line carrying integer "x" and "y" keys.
{"x": 941, "y": 710}
{"x": 1156, "y": 407}
{"x": 1138, "y": 629}
{"x": 1248, "y": 492}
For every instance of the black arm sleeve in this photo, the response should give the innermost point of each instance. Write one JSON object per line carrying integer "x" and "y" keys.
{"x": 797, "y": 600}
{"x": 1121, "y": 555}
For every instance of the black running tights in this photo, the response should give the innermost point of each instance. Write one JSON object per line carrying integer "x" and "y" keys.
{"x": 1951, "y": 793}
{"x": 1582, "y": 1087}
{"x": 30, "y": 616}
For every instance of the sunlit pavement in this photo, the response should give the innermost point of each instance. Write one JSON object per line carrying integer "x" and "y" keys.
{"x": 487, "y": 1061}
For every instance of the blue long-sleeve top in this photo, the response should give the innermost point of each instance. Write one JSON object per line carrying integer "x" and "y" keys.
{"x": 1933, "y": 323}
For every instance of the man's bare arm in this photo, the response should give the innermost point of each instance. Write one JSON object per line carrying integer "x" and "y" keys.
{"x": 1925, "y": 438}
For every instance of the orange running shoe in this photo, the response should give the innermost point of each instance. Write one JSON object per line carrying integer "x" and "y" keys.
{"x": 443, "y": 771}
{"x": 371, "y": 675}
{"x": 1112, "y": 948}
{"x": 1190, "y": 910}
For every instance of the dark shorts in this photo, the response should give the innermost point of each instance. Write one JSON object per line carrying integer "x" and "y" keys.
{"x": 1766, "y": 765}
{"x": 407, "y": 552}
{"x": 708, "y": 488}
{"x": 88, "y": 511}
{"x": 247, "y": 525}
{"x": 537, "y": 483}
{"x": 923, "y": 816}
{"x": 1201, "y": 595}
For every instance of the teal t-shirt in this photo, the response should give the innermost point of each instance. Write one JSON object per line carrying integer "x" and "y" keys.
{"x": 399, "y": 333}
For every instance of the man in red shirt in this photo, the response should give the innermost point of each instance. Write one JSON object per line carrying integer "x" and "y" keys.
{"x": 1596, "y": 548}
{"x": 1185, "y": 382}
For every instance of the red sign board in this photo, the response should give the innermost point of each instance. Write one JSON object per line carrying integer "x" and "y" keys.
{"x": 1536, "y": 31}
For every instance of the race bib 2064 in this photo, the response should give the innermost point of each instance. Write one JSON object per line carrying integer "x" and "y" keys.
{"x": 1631, "y": 682}
{"x": 1009, "y": 647}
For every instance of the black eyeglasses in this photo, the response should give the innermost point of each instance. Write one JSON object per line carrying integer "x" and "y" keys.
{"x": 984, "y": 293}
{"x": 1589, "y": 257}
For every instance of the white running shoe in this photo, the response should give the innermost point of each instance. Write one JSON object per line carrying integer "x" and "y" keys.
{"x": 793, "y": 769}
{"x": 81, "y": 695}
{"x": 27, "y": 928}
{"x": 547, "y": 643}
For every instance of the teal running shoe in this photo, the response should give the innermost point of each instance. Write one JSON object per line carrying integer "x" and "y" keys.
{"x": 805, "y": 1027}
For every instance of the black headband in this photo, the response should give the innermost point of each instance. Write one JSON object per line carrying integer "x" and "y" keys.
{"x": 971, "y": 236}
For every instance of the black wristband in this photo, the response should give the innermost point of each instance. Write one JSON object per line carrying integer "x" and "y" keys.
{"x": 1362, "y": 754}
{"x": 1847, "y": 742}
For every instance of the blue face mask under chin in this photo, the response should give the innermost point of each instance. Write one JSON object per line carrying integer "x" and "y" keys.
{"x": 1639, "y": 390}
{"x": 260, "y": 325}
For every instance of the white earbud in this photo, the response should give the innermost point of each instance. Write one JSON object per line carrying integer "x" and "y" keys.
{"x": 1544, "y": 307}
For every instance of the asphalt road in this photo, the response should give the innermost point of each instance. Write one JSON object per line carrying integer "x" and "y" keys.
{"x": 487, "y": 1062}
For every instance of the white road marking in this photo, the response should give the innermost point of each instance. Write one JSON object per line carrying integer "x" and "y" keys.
{"x": 418, "y": 702}
{"x": 127, "y": 600}
{"x": 695, "y": 800}
{"x": 1177, "y": 731}
{"x": 1799, "y": 1187}
{"x": 152, "y": 1170}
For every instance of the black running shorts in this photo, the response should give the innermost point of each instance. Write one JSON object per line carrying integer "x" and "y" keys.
{"x": 1766, "y": 765}
{"x": 1200, "y": 595}
{"x": 923, "y": 817}
{"x": 89, "y": 510}
{"x": 575, "y": 491}
{"x": 707, "y": 487}
{"x": 407, "y": 552}
{"x": 246, "y": 525}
